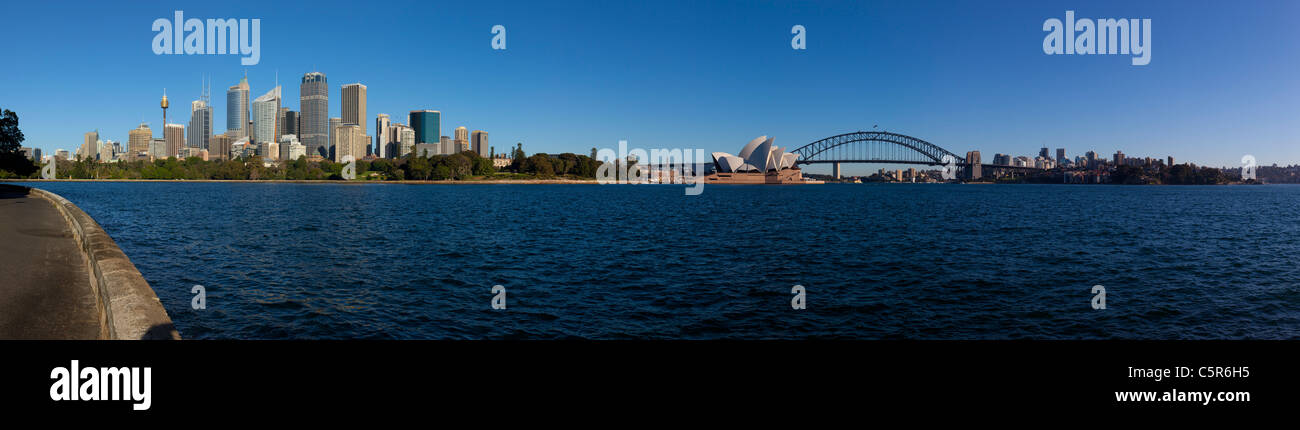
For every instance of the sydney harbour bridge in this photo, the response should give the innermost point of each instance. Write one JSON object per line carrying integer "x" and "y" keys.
{"x": 882, "y": 147}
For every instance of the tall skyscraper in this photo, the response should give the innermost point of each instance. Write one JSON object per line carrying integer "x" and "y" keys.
{"x": 1171, "y": 161}
{"x": 354, "y": 105}
{"x": 1060, "y": 156}
{"x": 314, "y": 102}
{"x": 237, "y": 108}
{"x": 138, "y": 141}
{"x": 266, "y": 117}
{"x": 480, "y": 143}
{"x": 200, "y": 127}
{"x": 174, "y": 135}
{"x": 383, "y": 135}
{"x": 427, "y": 125}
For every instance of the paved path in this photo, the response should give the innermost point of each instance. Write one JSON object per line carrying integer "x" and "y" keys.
{"x": 45, "y": 289}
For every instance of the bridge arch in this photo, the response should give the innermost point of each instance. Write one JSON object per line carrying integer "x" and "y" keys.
{"x": 874, "y": 147}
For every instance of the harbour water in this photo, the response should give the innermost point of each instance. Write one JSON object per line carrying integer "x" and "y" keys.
{"x": 354, "y": 261}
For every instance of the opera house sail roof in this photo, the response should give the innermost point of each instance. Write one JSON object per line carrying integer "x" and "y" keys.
{"x": 757, "y": 156}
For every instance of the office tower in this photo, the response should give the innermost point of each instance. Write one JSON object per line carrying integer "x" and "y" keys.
{"x": 266, "y": 117}
{"x": 348, "y": 140}
{"x": 480, "y": 143}
{"x": 354, "y": 106}
{"x": 157, "y": 148}
{"x": 383, "y": 135}
{"x": 405, "y": 140}
{"x": 105, "y": 151}
{"x": 334, "y": 125}
{"x": 174, "y": 136}
{"x": 200, "y": 127}
{"x": 220, "y": 147}
{"x": 1119, "y": 158}
{"x": 427, "y": 125}
{"x": 1043, "y": 152}
{"x": 237, "y": 108}
{"x": 1171, "y": 161}
{"x": 138, "y": 141}
{"x": 87, "y": 148}
{"x": 444, "y": 145}
{"x": 974, "y": 171}
{"x": 459, "y": 140}
{"x": 314, "y": 103}
{"x": 289, "y": 122}
{"x": 291, "y": 148}
{"x": 1060, "y": 156}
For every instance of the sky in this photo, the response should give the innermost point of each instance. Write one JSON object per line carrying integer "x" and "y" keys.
{"x": 1222, "y": 81}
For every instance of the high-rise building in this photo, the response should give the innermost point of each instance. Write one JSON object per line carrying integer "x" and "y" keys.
{"x": 1119, "y": 158}
{"x": 444, "y": 145}
{"x": 200, "y": 127}
{"x": 105, "y": 151}
{"x": 383, "y": 135}
{"x": 1043, "y": 152}
{"x": 480, "y": 143}
{"x": 88, "y": 147}
{"x": 220, "y": 147}
{"x": 459, "y": 141}
{"x": 1171, "y": 161}
{"x": 288, "y": 122}
{"x": 314, "y": 103}
{"x": 334, "y": 126}
{"x": 237, "y": 108}
{"x": 138, "y": 141}
{"x": 348, "y": 140}
{"x": 973, "y": 171}
{"x": 354, "y": 105}
{"x": 266, "y": 117}
{"x": 1060, "y": 156}
{"x": 174, "y": 136}
{"x": 405, "y": 140}
{"x": 427, "y": 125}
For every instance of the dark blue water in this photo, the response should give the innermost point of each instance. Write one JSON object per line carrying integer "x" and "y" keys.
{"x": 584, "y": 261}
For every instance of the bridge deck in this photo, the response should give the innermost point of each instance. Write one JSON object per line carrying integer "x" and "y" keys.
{"x": 45, "y": 284}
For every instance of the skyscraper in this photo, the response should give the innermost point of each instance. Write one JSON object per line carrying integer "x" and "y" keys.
{"x": 266, "y": 117}
{"x": 480, "y": 143}
{"x": 383, "y": 135}
{"x": 237, "y": 108}
{"x": 354, "y": 105}
{"x": 427, "y": 125}
{"x": 348, "y": 140}
{"x": 174, "y": 135}
{"x": 199, "y": 134}
{"x": 138, "y": 141}
{"x": 1060, "y": 156}
{"x": 220, "y": 147}
{"x": 314, "y": 102}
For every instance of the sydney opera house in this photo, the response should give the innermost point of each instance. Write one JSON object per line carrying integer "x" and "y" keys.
{"x": 758, "y": 163}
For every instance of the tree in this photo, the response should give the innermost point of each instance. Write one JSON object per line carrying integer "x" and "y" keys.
{"x": 12, "y": 159}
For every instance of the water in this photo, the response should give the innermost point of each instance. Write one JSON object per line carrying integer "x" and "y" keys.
{"x": 921, "y": 261}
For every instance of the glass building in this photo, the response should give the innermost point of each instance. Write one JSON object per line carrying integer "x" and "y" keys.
{"x": 427, "y": 125}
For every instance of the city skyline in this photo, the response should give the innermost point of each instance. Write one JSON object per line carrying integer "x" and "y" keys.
{"x": 980, "y": 82}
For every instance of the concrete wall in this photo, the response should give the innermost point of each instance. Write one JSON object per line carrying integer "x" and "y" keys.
{"x": 130, "y": 309}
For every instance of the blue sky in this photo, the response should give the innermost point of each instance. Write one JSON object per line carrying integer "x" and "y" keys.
{"x": 696, "y": 74}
